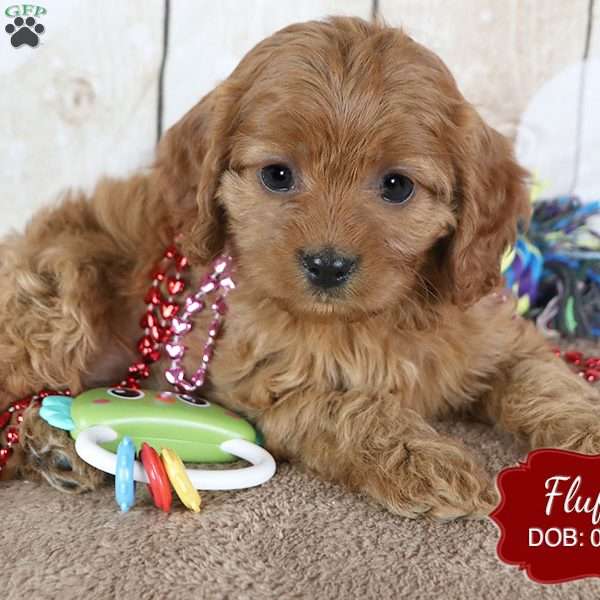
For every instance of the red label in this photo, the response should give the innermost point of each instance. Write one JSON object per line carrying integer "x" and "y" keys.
{"x": 549, "y": 516}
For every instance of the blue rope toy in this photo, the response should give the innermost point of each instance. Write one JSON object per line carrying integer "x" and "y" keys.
{"x": 554, "y": 269}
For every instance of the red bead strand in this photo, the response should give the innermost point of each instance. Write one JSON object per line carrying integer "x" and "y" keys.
{"x": 586, "y": 367}
{"x": 161, "y": 303}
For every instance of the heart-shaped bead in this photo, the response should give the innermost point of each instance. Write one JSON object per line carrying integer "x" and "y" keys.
{"x": 131, "y": 382}
{"x": 153, "y": 356}
{"x": 144, "y": 343}
{"x": 180, "y": 327}
{"x": 157, "y": 275}
{"x": 220, "y": 306}
{"x": 156, "y": 333}
{"x": 5, "y": 455}
{"x": 175, "y": 286}
{"x": 193, "y": 305}
{"x": 198, "y": 379}
{"x": 148, "y": 320}
{"x": 170, "y": 252}
{"x": 227, "y": 283}
{"x": 221, "y": 264}
{"x": 187, "y": 386}
{"x": 168, "y": 310}
{"x": 140, "y": 369}
{"x": 181, "y": 263}
{"x": 153, "y": 296}
{"x": 175, "y": 350}
{"x": 174, "y": 375}
{"x": 207, "y": 284}
{"x": 12, "y": 435}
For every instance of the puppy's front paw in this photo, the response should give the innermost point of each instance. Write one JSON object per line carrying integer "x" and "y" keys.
{"x": 50, "y": 453}
{"x": 441, "y": 479}
{"x": 573, "y": 425}
{"x": 586, "y": 440}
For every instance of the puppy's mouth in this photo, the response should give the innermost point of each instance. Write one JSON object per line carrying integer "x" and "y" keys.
{"x": 343, "y": 303}
{"x": 338, "y": 297}
{"x": 350, "y": 312}
{"x": 327, "y": 297}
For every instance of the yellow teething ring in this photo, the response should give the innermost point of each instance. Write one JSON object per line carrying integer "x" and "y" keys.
{"x": 180, "y": 479}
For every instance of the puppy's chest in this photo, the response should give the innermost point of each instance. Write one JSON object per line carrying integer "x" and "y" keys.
{"x": 260, "y": 366}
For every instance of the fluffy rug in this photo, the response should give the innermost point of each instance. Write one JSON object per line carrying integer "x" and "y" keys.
{"x": 295, "y": 537}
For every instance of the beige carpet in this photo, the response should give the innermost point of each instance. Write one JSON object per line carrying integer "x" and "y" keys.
{"x": 295, "y": 537}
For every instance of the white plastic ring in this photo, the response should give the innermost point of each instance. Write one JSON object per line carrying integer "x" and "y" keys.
{"x": 263, "y": 466}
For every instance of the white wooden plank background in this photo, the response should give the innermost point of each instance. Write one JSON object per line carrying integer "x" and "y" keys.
{"x": 595, "y": 41}
{"x": 85, "y": 102}
{"x": 81, "y": 104}
{"x": 588, "y": 175}
{"x": 222, "y": 33}
{"x": 499, "y": 51}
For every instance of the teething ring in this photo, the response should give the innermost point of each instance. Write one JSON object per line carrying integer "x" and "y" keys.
{"x": 158, "y": 481}
{"x": 262, "y": 469}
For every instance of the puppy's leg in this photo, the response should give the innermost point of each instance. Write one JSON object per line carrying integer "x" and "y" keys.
{"x": 49, "y": 453}
{"x": 64, "y": 319}
{"x": 539, "y": 399}
{"x": 53, "y": 317}
{"x": 370, "y": 444}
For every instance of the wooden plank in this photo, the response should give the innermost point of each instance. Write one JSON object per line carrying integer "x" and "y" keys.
{"x": 500, "y": 51}
{"x": 595, "y": 31}
{"x": 81, "y": 104}
{"x": 208, "y": 39}
{"x": 518, "y": 63}
{"x": 588, "y": 175}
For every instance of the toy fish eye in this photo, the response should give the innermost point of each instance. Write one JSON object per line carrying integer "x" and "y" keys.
{"x": 125, "y": 393}
{"x": 200, "y": 402}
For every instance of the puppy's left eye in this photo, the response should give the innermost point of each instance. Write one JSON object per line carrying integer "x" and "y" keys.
{"x": 277, "y": 177}
{"x": 396, "y": 188}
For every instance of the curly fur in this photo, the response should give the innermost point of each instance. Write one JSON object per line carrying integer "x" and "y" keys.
{"x": 345, "y": 384}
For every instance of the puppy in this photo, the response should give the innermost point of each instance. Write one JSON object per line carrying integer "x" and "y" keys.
{"x": 366, "y": 206}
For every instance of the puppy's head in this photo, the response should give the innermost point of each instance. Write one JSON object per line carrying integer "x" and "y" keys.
{"x": 346, "y": 173}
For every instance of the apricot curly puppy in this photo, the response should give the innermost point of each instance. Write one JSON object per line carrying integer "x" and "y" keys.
{"x": 366, "y": 206}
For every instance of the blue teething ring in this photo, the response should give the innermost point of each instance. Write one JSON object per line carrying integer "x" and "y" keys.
{"x": 124, "y": 483}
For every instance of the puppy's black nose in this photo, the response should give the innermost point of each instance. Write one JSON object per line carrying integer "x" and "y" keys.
{"x": 327, "y": 269}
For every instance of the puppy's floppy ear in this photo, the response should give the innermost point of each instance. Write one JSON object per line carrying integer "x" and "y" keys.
{"x": 196, "y": 151}
{"x": 491, "y": 200}
{"x": 190, "y": 160}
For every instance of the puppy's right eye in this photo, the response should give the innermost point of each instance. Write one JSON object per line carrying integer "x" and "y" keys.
{"x": 277, "y": 178}
{"x": 397, "y": 188}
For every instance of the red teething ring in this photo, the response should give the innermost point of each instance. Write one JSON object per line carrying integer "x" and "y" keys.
{"x": 158, "y": 481}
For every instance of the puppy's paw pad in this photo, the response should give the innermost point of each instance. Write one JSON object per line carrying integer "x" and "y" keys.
{"x": 50, "y": 454}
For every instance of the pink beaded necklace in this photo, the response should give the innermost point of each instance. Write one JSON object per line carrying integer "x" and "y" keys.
{"x": 218, "y": 281}
{"x": 166, "y": 323}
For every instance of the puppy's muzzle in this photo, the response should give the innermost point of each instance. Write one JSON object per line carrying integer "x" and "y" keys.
{"x": 326, "y": 268}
